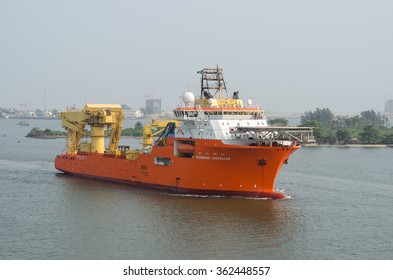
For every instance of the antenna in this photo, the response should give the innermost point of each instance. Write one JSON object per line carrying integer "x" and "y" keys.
{"x": 212, "y": 79}
{"x": 44, "y": 100}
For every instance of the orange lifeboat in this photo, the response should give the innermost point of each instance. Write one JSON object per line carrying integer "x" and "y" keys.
{"x": 185, "y": 148}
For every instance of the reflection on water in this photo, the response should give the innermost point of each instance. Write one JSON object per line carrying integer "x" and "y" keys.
{"x": 154, "y": 224}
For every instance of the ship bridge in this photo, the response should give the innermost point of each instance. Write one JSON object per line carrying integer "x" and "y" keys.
{"x": 214, "y": 115}
{"x": 218, "y": 113}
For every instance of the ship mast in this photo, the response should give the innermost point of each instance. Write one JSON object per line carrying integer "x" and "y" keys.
{"x": 212, "y": 84}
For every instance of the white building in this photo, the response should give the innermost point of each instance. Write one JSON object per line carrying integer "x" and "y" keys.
{"x": 389, "y": 106}
{"x": 132, "y": 114}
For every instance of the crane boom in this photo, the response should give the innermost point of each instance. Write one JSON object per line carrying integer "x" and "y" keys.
{"x": 148, "y": 133}
{"x": 98, "y": 116}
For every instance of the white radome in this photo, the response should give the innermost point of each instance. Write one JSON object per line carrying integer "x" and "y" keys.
{"x": 188, "y": 98}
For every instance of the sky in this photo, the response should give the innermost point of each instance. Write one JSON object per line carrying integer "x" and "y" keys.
{"x": 288, "y": 56}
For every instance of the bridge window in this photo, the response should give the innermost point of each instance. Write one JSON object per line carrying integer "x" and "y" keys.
{"x": 191, "y": 114}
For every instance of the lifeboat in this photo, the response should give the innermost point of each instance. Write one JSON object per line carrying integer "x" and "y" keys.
{"x": 185, "y": 148}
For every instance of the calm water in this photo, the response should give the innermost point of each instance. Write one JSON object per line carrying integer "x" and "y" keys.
{"x": 340, "y": 208}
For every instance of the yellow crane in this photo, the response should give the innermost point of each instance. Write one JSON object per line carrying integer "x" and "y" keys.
{"x": 98, "y": 116}
{"x": 148, "y": 133}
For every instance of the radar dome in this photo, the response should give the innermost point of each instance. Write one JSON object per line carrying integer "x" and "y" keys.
{"x": 188, "y": 98}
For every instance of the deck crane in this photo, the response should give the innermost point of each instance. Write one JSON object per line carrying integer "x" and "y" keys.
{"x": 165, "y": 128}
{"x": 98, "y": 116}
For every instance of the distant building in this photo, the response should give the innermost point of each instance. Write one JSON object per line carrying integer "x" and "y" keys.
{"x": 153, "y": 106}
{"x": 389, "y": 106}
{"x": 132, "y": 114}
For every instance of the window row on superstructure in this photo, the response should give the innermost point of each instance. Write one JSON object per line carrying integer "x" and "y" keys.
{"x": 257, "y": 114}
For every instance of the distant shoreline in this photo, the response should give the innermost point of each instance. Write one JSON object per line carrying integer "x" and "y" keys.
{"x": 350, "y": 145}
{"x": 63, "y": 136}
{"x": 46, "y": 136}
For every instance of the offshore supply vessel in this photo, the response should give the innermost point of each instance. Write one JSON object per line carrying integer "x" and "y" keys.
{"x": 215, "y": 145}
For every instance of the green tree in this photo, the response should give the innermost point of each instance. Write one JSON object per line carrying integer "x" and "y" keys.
{"x": 369, "y": 135}
{"x": 387, "y": 137}
{"x": 344, "y": 135}
{"x": 36, "y": 132}
{"x": 312, "y": 124}
{"x": 324, "y": 115}
{"x": 325, "y": 135}
{"x": 33, "y": 132}
{"x": 136, "y": 131}
{"x": 371, "y": 118}
{"x": 322, "y": 134}
{"x": 138, "y": 126}
{"x": 355, "y": 121}
{"x": 278, "y": 122}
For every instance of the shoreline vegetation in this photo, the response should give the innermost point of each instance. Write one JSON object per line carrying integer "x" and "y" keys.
{"x": 137, "y": 131}
{"x": 45, "y": 134}
{"x": 368, "y": 129}
{"x": 37, "y": 133}
{"x": 349, "y": 145}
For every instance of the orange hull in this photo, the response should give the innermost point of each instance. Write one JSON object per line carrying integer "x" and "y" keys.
{"x": 215, "y": 168}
